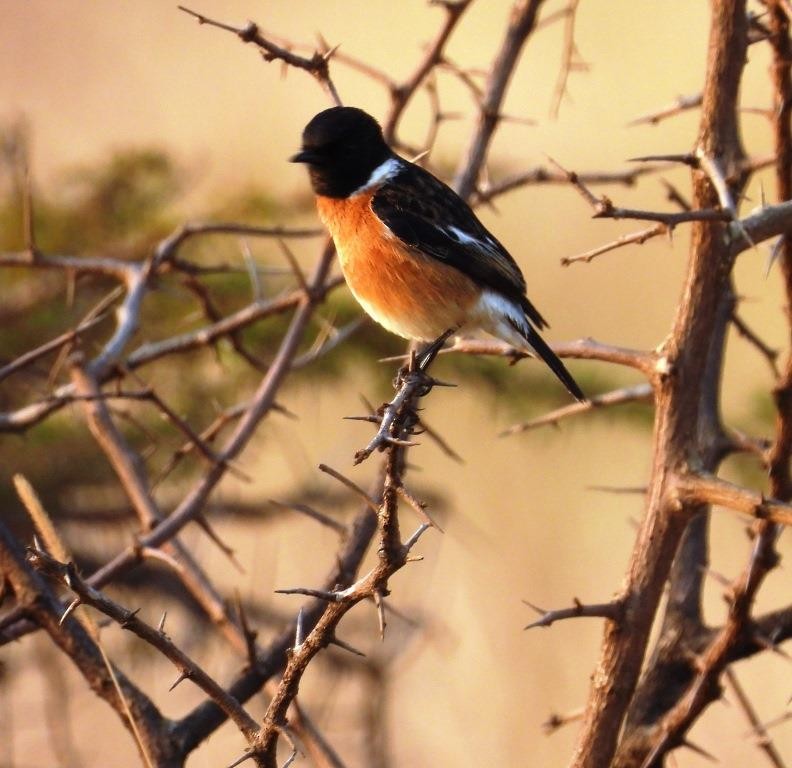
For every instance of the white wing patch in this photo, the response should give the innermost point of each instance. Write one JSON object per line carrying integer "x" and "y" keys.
{"x": 463, "y": 237}
{"x": 380, "y": 174}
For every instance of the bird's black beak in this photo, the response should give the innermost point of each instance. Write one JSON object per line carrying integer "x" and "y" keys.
{"x": 305, "y": 156}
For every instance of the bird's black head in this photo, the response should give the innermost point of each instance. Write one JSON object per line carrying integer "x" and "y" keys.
{"x": 341, "y": 146}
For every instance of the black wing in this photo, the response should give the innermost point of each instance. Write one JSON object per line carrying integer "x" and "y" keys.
{"x": 428, "y": 215}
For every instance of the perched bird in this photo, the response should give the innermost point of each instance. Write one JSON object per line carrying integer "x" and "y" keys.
{"x": 412, "y": 251}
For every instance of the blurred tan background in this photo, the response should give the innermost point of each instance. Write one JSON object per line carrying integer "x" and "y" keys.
{"x": 521, "y": 520}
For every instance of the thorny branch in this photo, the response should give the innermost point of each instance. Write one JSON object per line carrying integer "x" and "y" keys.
{"x": 114, "y": 362}
{"x": 393, "y": 554}
{"x": 317, "y": 65}
{"x": 188, "y": 669}
{"x": 637, "y": 712}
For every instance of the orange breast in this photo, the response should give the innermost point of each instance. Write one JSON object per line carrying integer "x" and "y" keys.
{"x": 411, "y": 294}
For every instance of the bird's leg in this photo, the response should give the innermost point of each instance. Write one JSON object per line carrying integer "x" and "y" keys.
{"x": 425, "y": 357}
{"x": 420, "y": 360}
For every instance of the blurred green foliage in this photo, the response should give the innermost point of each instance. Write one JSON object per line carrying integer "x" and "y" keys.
{"x": 122, "y": 207}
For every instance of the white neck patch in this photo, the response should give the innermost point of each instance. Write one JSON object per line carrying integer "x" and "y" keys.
{"x": 380, "y": 174}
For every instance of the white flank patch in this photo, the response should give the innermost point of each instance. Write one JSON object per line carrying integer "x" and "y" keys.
{"x": 495, "y": 312}
{"x": 380, "y": 174}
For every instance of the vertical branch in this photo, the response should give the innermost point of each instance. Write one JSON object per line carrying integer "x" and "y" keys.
{"x": 678, "y": 385}
{"x": 569, "y": 52}
{"x": 672, "y": 667}
{"x": 401, "y": 94}
{"x": 207, "y": 716}
{"x": 780, "y": 480}
{"x": 521, "y": 24}
{"x": 412, "y": 385}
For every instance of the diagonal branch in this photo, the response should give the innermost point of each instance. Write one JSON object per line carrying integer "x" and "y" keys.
{"x": 640, "y": 393}
{"x": 136, "y": 711}
{"x": 521, "y": 23}
{"x": 317, "y": 65}
{"x": 67, "y": 575}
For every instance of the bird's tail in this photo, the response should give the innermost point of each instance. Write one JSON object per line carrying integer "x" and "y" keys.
{"x": 538, "y": 345}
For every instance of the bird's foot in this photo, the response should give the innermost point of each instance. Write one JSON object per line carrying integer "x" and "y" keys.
{"x": 420, "y": 360}
{"x": 429, "y": 353}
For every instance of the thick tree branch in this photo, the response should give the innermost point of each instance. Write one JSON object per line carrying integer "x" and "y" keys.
{"x": 67, "y": 574}
{"x": 678, "y": 402}
{"x": 136, "y": 710}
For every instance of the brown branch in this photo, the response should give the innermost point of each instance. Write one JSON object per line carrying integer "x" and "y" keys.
{"x": 315, "y": 743}
{"x": 197, "y": 288}
{"x": 354, "y": 487}
{"x": 767, "y": 352}
{"x": 260, "y": 406}
{"x": 398, "y": 419}
{"x": 134, "y": 278}
{"x": 635, "y": 238}
{"x": 320, "y": 517}
{"x": 131, "y": 473}
{"x": 167, "y": 248}
{"x": 568, "y": 62}
{"x": 770, "y": 221}
{"x": 53, "y": 345}
{"x": 67, "y": 575}
{"x": 402, "y": 93}
{"x": 206, "y": 717}
{"x": 540, "y": 174}
{"x": 583, "y": 349}
{"x": 317, "y": 65}
{"x": 781, "y": 450}
{"x": 747, "y": 233}
{"x": 393, "y": 555}
{"x": 611, "y": 611}
{"x": 136, "y": 711}
{"x": 640, "y": 393}
{"x": 27, "y": 416}
{"x": 319, "y": 637}
{"x": 604, "y": 208}
{"x": 236, "y": 321}
{"x": 191, "y": 506}
{"x": 521, "y": 23}
{"x": 126, "y": 463}
{"x": 206, "y": 436}
{"x": 708, "y": 489}
{"x": 673, "y": 726}
{"x": 763, "y": 740}
{"x": 679, "y": 403}
{"x": 679, "y": 105}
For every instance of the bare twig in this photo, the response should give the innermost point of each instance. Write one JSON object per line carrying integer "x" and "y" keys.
{"x": 317, "y": 65}
{"x": 634, "y": 394}
{"x": 189, "y": 669}
{"x": 635, "y": 238}
{"x": 611, "y": 611}
{"x": 763, "y": 740}
{"x": 523, "y": 19}
{"x": 569, "y": 62}
{"x": 584, "y": 349}
{"x": 679, "y": 105}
